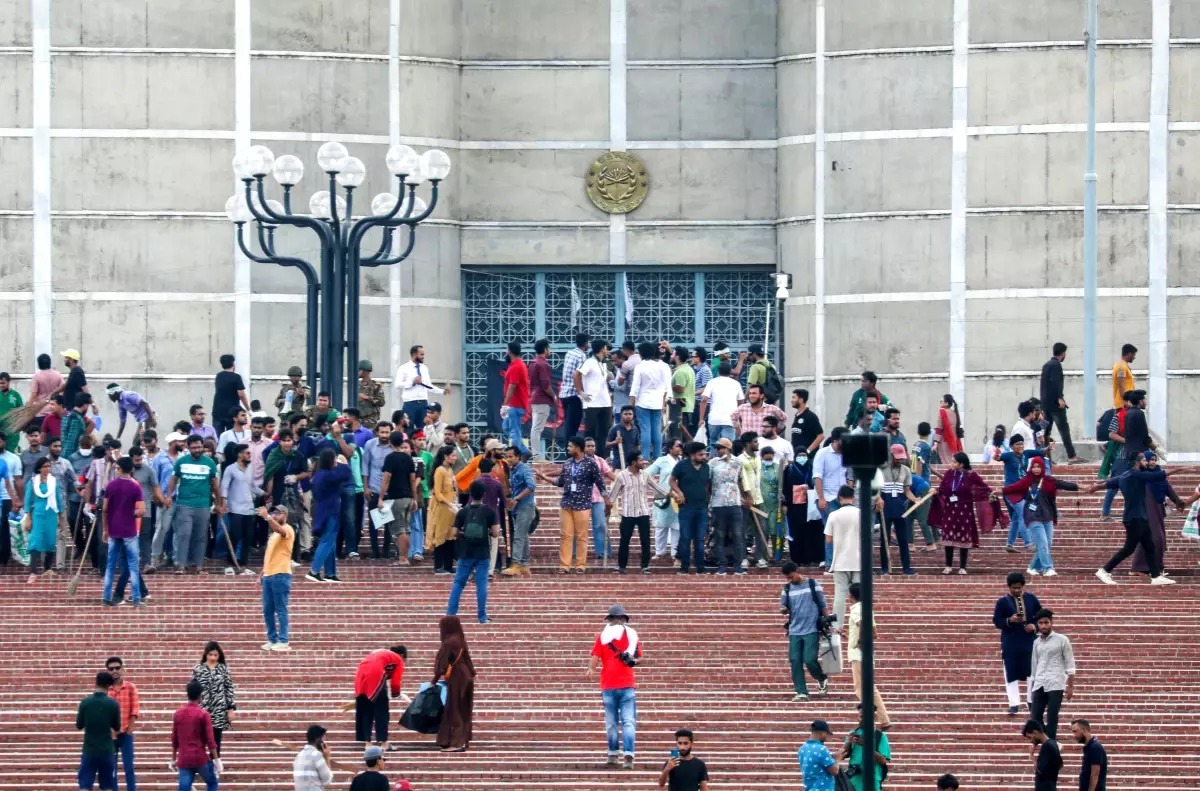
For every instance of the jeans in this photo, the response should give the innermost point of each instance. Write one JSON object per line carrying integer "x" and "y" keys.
{"x": 537, "y": 440}
{"x": 728, "y": 527}
{"x": 416, "y": 535}
{"x": 1119, "y": 467}
{"x": 903, "y": 530}
{"x": 831, "y": 505}
{"x": 572, "y": 415}
{"x": 512, "y": 427}
{"x": 715, "y": 433}
{"x": 597, "y": 421}
{"x": 803, "y": 652}
{"x": 1137, "y": 531}
{"x": 620, "y": 708}
{"x": 467, "y": 566}
{"x": 1058, "y": 417}
{"x": 1048, "y": 704}
{"x": 416, "y": 413}
{"x": 650, "y": 423}
{"x": 191, "y": 535}
{"x": 129, "y": 547}
{"x": 1043, "y": 539}
{"x": 628, "y": 524}
{"x": 161, "y": 530}
{"x": 125, "y": 750}
{"x": 600, "y": 531}
{"x": 522, "y": 519}
{"x": 325, "y": 558}
{"x": 123, "y": 580}
{"x": 207, "y": 772}
{"x": 693, "y": 527}
{"x": 1016, "y": 527}
{"x": 95, "y": 770}
{"x": 276, "y": 589}
{"x": 347, "y": 540}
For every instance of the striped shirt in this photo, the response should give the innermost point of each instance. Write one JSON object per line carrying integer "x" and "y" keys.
{"x": 638, "y": 490}
{"x": 703, "y": 376}
{"x": 310, "y": 772}
{"x": 571, "y": 363}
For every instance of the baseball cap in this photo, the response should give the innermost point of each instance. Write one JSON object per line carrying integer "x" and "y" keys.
{"x": 492, "y": 444}
{"x": 403, "y": 785}
{"x": 373, "y": 751}
{"x": 70, "y": 354}
{"x": 724, "y": 442}
{"x": 434, "y": 407}
{"x": 175, "y": 436}
{"x": 819, "y": 726}
{"x": 899, "y": 452}
{"x": 756, "y": 348}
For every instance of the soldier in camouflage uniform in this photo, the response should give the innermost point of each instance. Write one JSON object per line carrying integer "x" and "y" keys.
{"x": 370, "y": 395}
{"x": 299, "y": 399}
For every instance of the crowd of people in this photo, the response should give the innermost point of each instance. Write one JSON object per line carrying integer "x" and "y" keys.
{"x": 692, "y": 450}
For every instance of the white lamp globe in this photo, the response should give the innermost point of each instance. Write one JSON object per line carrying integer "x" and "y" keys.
{"x": 353, "y": 172}
{"x": 382, "y": 203}
{"x": 318, "y": 205}
{"x": 240, "y": 167}
{"x": 331, "y": 157}
{"x": 289, "y": 170}
{"x": 416, "y": 176}
{"x": 262, "y": 160}
{"x": 236, "y": 209}
{"x": 275, "y": 206}
{"x": 402, "y": 160}
{"x": 419, "y": 207}
{"x": 435, "y": 164}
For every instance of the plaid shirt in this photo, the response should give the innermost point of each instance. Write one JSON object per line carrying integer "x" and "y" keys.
{"x": 571, "y": 363}
{"x": 638, "y": 490}
{"x": 745, "y": 418}
{"x": 126, "y": 695}
{"x": 73, "y": 426}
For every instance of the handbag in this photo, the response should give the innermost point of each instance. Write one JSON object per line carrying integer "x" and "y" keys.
{"x": 830, "y": 654}
{"x": 841, "y": 781}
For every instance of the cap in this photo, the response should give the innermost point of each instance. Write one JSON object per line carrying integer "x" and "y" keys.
{"x": 71, "y": 354}
{"x": 724, "y": 442}
{"x": 1149, "y": 454}
{"x": 295, "y": 370}
{"x": 175, "y": 436}
{"x": 819, "y": 726}
{"x": 899, "y": 452}
{"x": 434, "y": 406}
{"x": 365, "y": 365}
{"x": 492, "y": 444}
{"x": 372, "y": 752}
{"x": 617, "y": 611}
{"x": 756, "y": 348}
{"x": 403, "y": 785}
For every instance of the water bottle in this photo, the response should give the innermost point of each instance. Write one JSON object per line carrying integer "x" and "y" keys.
{"x": 287, "y": 400}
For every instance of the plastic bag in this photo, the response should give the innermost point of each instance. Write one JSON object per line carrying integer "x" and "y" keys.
{"x": 1190, "y": 528}
{"x": 20, "y": 540}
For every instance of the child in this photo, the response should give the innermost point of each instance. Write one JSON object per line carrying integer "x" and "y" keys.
{"x": 769, "y": 488}
{"x": 921, "y": 451}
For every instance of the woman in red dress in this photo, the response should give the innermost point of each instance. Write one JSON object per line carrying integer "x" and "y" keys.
{"x": 948, "y": 433}
{"x": 954, "y": 510}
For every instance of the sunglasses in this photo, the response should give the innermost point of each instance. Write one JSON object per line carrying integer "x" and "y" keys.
{"x": 114, "y": 667}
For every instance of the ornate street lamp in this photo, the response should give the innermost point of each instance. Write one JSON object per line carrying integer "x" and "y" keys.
{"x": 333, "y": 298}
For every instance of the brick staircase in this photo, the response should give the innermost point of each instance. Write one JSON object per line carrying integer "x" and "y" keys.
{"x": 716, "y": 663}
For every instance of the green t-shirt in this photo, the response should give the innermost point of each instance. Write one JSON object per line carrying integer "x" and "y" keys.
{"x": 98, "y": 716}
{"x": 758, "y": 373}
{"x": 8, "y": 402}
{"x": 194, "y": 489}
{"x": 427, "y": 481}
{"x": 884, "y": 749}
{"x": 685, "y": 377}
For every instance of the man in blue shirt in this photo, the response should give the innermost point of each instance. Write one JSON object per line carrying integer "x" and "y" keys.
{"x": 816, "y": 762}
{"x": 804, "y": 604}
{"x": 1094, "y": 774}
{"x": 521, "y": 488}
{"x": 1132, "y": 484}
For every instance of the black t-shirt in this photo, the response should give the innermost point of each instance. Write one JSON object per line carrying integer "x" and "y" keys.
{"x": 401, "y": 466}
{"x": 693, "y": 483}
{"x": 687, "y": 776}
{"x": 76, "y": 381}
{"x": 370, "y": 781}
{"x": 806, "y": 427}
{"x": 1094, "y": 755}
{"x": 480, "y": 513}
{"x": 228, "y": 383}
{"x": 1049, "y": 761}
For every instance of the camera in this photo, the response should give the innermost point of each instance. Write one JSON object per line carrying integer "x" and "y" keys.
{"x": 825, "y": 623}
{"x": 627, "y": 659}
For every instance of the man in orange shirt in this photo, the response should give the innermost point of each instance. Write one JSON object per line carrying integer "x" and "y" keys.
{"x": 1122, "y": 375}
{"x": 378, "y": 670}
{"x": 126, "y": 695}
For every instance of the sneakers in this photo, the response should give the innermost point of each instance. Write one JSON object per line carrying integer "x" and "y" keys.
{"x": 229, "y": 572}
{"x": 745, "y": 563}
{"x": 762, "y": 564}
{"x": 800, "y": 698}
{"x": 314, "y": 577}
{"x": 281, "y": 647}
{"x": 1010, "y": 548}
{"x": 740, "y": 572}
{"x": 1032, "y": 573}
{"x": 947, "y": 570}
{"x": 354, "y": 556}
{"x": 247, "y": 572}
{"x": 1162, "y": 579}
{"x": 268, "y": 646}
{"x": 823, "y": 685}
{"x": 1049, "y": 573}
{"x": 645, "y": 569}
{"x": 1105, "y": 577}
{"x": 628, "y": 762}
{"x": 333, "y": 578}
{"x": 613, "y": 762}
{"x": 962, "y": 572}
{"x": 295, "y": 565}
{"x": 1012, "y": 711}
{"x": 910, "y": 572}
{"x": 721, "y": 572}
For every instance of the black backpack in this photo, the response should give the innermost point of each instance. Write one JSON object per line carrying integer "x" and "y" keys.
{"x": 772, "y": 385}
{"x": 1102, "y": 425}
{"x": 475, "y": 528}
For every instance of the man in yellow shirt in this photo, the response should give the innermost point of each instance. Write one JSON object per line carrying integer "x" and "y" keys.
{"x": 1122, "y": 375}
{"x": 276, "y": 579}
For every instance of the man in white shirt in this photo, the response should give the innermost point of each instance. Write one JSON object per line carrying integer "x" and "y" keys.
{"x": 784, "y": 453}
{"x": 413, "y": 384}
{"x": 842, "y": 541}
{"x": 591, "y": 382}
{"x": 651, "y": 385}
{"x": 829, "y": 473}
{"x": 719, "y": 399}
{"x": 1022, "y": 427}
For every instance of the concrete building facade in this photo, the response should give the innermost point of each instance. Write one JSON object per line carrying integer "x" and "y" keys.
{"x": 915, "y": 167}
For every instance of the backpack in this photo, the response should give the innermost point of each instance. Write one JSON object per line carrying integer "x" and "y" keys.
{"x": 1102, "y": 425}
{"x": 772, "y": 385}
{"x": 882, "y": 769}
{"x": 475, "y": 528}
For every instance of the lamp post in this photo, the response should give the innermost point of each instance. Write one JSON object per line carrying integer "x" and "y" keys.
{"x": 332, "y": 320}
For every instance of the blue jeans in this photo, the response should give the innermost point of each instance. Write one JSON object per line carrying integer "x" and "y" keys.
{"x": 1016, "y": 527}
{"x": 715, "y": 433}
{"x": 1043, "y": 539}
{"x": 207, "y": 772}
{"x": 512, "y": 427}
{"x": 325, "y": 558}
{"x": 831, "y": 505}
{"x": 123, "y": 580}
{"x": 416, "y": 534}
{"x": 93, "y": 769}
{"x": 620, "y": 708}
{"x": 416, "y": 414}
{"x": 650, "y": 423}
{"x": 275, "y": 592}
{"x": 125, "y": 748}
{"x": 1119, "y": 466}
{"x": 467, "y": 566}
{"x": 349, "y": 520}
{"x": 600, "y": 531}
{"x": 693, "y": 527}
{"x": 128, "y": 550}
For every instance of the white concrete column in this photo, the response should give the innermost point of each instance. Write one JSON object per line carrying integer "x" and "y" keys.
{"x": 241, "y": 119}
{"x": 43, "y": 274}
{"x": 618, "y": 81}
{"x": 1160, "y": 81}
{"x": 818, "y": 394}
{"x": 395, "y": 341}
{"x": 958, "y": 205}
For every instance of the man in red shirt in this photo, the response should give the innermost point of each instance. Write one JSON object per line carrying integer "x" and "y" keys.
{"x": 375, "y": 673}
{"x": 52, "y": 421}
{"x": 193, "y": 745}
{"x": 126, "y": 695}
{"x": 516, "y": 397}
{"x": 543, "y": 396}
{"x": 615, "y": 652}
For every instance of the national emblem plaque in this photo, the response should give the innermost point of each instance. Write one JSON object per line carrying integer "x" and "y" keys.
{"x": 617, "y": 182}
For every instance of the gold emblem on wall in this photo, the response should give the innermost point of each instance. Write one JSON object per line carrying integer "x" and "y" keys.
{"x": 618, "y": 182}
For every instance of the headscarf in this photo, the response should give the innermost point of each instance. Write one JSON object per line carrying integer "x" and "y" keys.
{"x": 1040, "y": 462}
{"x": 1157, "y": 489}
{"x": 451, "y": 625}
{"x": 454, "y": 647}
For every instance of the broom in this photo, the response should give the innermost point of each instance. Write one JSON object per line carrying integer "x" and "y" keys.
{"x": 18, "y": 419}
{"x": 74, "y": 586}
{"x": 232, "y": 554}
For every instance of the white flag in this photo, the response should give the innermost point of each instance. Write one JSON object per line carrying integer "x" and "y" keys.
{"x": 628, "y": 304}
{"x": 576, "y": 305}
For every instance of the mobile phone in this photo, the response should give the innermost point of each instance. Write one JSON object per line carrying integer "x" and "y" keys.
{"x": 675, "y": 753}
